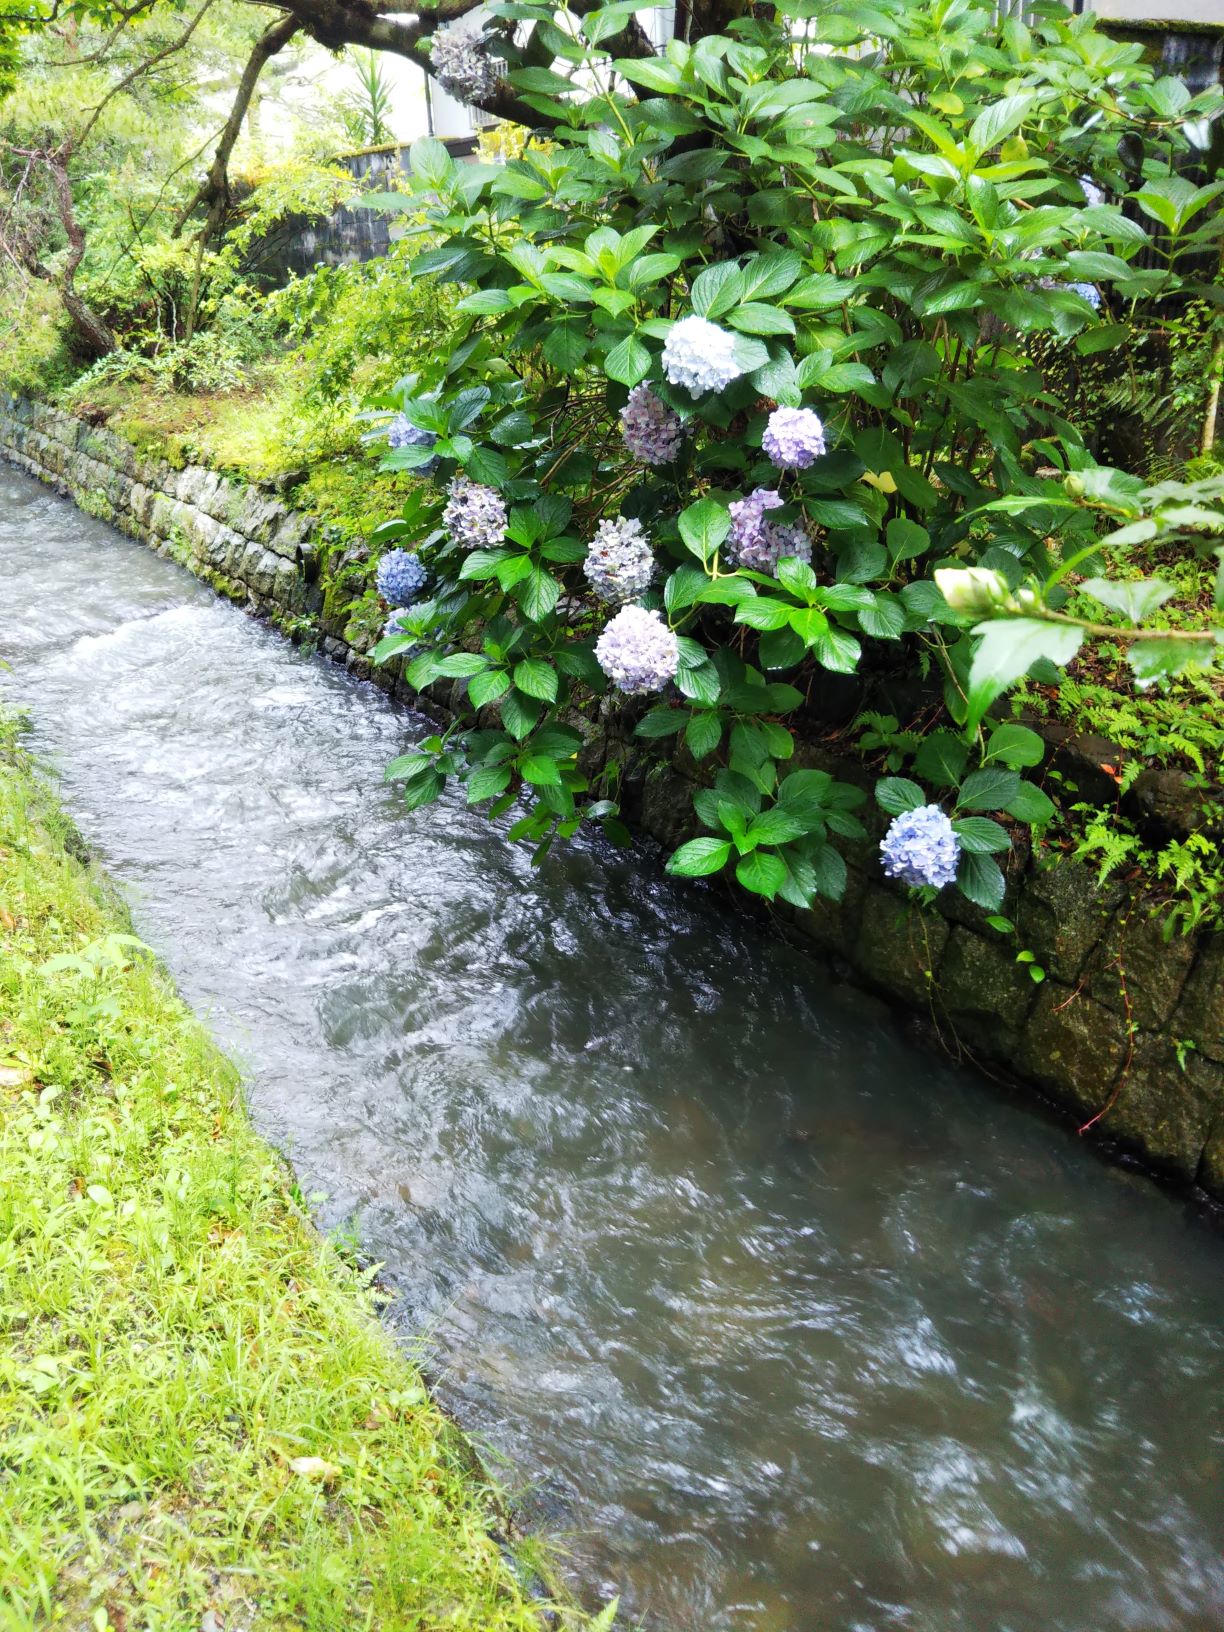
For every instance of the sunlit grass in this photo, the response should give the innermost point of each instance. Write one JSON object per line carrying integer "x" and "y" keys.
{"x": 198, "y": 1408}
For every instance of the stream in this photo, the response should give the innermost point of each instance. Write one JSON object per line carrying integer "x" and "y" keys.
{"x": 784, "y": 1322}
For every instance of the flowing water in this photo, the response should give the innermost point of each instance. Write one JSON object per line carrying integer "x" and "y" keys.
{"x": 793, "y": 1325}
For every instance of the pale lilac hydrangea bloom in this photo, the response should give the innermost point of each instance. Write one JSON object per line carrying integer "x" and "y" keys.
{"x": 794, "y": 438}
{"x": 462, "y": 65}
{"x": 651, "y": 430}
{"x": 475, "y": 516}
{"x": 619, "y": 565}
{"x": 1092, "y": 193}
{"x": 700, "y": 356}
{"x": 400, "y": 577}
{"x": 637, "y": 651}
{"x": 759, "y": 544}
{"x": 921, "y": 847}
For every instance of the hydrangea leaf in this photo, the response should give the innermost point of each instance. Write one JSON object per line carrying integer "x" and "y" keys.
{"x": 979, "y": 879}
{"x": 699, "y": 857}
{"x": 897, "y": 794}
{"x": 1007, "y": 650}
{"x": 988, "y": 789}
{"x": 979, "y": 835}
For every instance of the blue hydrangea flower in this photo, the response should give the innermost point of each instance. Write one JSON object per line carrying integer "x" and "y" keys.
{"x": 794, "y": 438}
{"x": 475, "y": 515}
{"x": 651, "y": 430}
{"x": 619, "y": 564}
{"x": 400, "y": 577}
{"x": 700, "y": 356}
{"x": 1088, "y": 292}
{"x": 920, "y": 847}
{"x": 637, "y": 651}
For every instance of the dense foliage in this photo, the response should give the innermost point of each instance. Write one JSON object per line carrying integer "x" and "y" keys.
{"x": 747, "y": 358}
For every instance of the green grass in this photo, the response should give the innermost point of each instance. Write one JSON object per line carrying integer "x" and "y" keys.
{"x": 199, "y": 1410}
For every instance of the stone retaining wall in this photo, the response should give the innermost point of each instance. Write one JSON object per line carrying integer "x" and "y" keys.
{"x": 1124, "y": 1023}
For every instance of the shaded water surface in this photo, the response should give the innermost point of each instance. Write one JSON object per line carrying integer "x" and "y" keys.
{"x": 797, "y": 1326}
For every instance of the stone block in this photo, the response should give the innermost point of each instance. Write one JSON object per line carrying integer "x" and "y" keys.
{"x": 898, "y": 947}
{"x": 1073, "y": 1047}
{"x": 1133, "y": 962}
{"x": 1062, "y": 914}
{"x": 985, "y": 993}
{"x": 1200, "y": 1014}
{"x": 260, "y": 516}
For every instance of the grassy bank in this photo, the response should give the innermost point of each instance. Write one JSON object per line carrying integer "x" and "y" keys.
{"x": 199, "y": 1412}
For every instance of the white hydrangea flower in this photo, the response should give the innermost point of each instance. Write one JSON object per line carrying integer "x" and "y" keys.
{"x": 637, "y": 651}
{"x": 700, "y": 356}
{"x": 462, "y": 65}
{"x": 619, "y": 564}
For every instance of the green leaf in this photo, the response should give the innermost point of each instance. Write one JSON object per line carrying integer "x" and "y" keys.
{"x": 538, "y": 594}
{"x": 430, "y": 163}
{"x": 941, "y": 759}
{"x": 906, "y": 539}
{"x": 488, "y": 687}
{"x": 717, "y": 289}
{"x": 628, "y": 362}
{"x": 837, "y": 651}
{"x": 998, "y": 121}
{"x": 896, "y": 795}
{"x": 486, "y": 782}
{"x": 1007, "y": 650}
{"x": 704, "y": 526}
{"x": 461, "y": 664}
{"x": 519, "y": 714}
{"x": 1135, "y": 600}
{"x": 702, "y": 734}
{"x": 978, "y": 879}
{"x": 1158, "y": 659}
{"x": 537, "y": 678}
{"x": 1031, "y": 805}
{"x": 699, "y": 857}
{"x": 423, "y": 790}
{"x": 988, "y": 789}
{"x": 979, "y": 835}
{"x": 1016, "y": 746}
{"x": 762, "y": 873}
{"x": 541, "y": 770}
{"x": 660, "y": 722}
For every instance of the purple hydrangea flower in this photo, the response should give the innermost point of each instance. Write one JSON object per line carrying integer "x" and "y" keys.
{"x": 920, "y": 847}
{"x": 1092, "y": 193}
{"x": 651, "y": 430}
{"x": 462, "y": 65}
{"x": 794, "y": 438}
{"x": 475, "y": 516}
{"x": 619, "y": 565}
{"x": 400, "y": 577}
{"x": 637, "y": 651}
{"x": 700, "y": 356}
{"x": 759, "y": 544}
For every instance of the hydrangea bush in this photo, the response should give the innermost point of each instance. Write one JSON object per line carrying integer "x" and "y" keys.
{"x": 741, "y": 361}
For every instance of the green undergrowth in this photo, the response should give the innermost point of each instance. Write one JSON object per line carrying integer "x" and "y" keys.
{"x": 199, "y": 1411}
{"x": 257, "y": 434}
